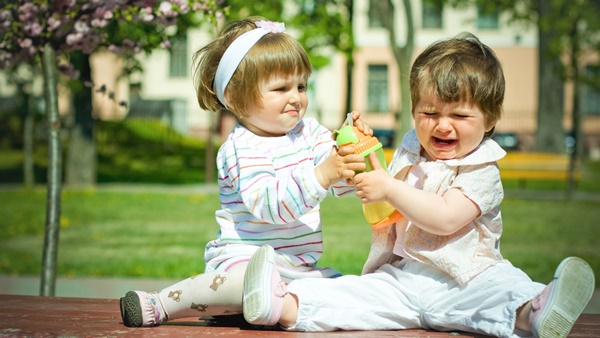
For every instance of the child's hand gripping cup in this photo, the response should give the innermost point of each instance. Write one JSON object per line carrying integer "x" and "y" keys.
{"x": 380, "y": 214}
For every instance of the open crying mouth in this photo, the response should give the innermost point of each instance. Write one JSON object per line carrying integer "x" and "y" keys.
{"x": 444, "y": 142}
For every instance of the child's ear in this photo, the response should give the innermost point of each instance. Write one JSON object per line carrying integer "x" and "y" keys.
{"x": 490, "y": 126}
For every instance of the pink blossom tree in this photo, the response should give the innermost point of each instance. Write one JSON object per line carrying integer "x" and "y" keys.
{"x": 49, "y": 32}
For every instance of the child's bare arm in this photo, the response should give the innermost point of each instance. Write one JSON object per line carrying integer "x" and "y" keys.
{"x": 440, "y": 215}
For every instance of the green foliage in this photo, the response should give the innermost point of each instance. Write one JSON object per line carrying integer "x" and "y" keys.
{"x": 163, "y": 234}
{"x": 149, "y": 152}
{"x": 318, "y": 24}
{"x": 324, "y": 24}
{"x": 134, "y": 150}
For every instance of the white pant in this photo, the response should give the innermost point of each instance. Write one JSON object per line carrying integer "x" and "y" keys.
{"x": 409, "y": 295}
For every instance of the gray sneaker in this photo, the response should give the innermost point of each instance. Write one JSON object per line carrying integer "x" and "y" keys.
{"x": 555, "y": 310}
{"x": 139, "y": 309}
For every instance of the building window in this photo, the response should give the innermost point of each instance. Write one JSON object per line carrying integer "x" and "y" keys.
{"x": 178, "y": 64}
{"x": 590, "y": 96}
{"x": 376, "y": 11}
{"x": 377, "y": 90}
{"x": 487, "y": 18}
{"x": 432, "y": 14}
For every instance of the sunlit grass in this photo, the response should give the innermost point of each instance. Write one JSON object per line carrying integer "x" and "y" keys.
{"x": 162, "y": 235}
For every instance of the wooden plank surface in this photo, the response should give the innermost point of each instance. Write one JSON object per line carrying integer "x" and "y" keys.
{"x": 76, "y": 317}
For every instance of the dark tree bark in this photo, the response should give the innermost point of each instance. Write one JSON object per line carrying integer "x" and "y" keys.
{"x": 402, "y": 55}
{"x": 577, "y": 150}
{"x": 81, "y": 158}
{"x": 349, "y": 67}
{"x": 27, "y": 113}
{"x": 550, "y": 134}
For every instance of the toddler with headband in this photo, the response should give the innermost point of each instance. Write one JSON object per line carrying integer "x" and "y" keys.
{"x": 274, "y": 169}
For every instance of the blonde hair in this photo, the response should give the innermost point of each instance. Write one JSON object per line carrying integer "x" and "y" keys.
{"x": 273, "y": 54}
{"x": 461, "y": 69}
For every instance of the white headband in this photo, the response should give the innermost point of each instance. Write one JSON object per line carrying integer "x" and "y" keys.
{"x": 237, "y": 50}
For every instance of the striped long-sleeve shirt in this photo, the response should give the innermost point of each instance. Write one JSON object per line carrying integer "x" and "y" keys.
{"x": 269, "y": 195}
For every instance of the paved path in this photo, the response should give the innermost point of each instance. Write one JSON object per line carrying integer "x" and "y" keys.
{"x": 81, "y": 287}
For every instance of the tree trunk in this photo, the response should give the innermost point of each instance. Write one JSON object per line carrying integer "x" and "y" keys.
{"x": 53, "y": 195}
{"x": 550, "y": 134}
{"x": 403, "y": 57}
{"x": 349, "y": 84}
{"x": 81, "y": 158}
{"x": 27, "y": 108}
{"x": 209, "y": 154}
{"x": 28, "y": 167}
{"x": 577, "y": 149}
{"x": 349, "y": 64}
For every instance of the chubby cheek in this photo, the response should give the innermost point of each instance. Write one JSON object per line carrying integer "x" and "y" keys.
{"x": 423, "y": 135}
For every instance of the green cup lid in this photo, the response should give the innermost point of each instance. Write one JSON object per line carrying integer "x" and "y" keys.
{"x": 345, "y": 136}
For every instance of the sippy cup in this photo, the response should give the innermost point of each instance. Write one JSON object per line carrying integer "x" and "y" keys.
{"x": 380, "y": 214}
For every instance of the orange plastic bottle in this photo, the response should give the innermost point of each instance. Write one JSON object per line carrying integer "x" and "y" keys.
{"x": 380, "y": 214}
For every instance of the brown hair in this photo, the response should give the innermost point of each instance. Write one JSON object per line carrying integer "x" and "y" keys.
{"x": 273, "y": 54}
{"x": 461, "y": 69}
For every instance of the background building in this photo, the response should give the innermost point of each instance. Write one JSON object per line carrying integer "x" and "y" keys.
{"x": 165, "y": 89}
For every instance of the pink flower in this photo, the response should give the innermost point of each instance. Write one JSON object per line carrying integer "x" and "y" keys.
{"x": 32, "y": 28}
{"x": 25, "y": 43}
{"x": 74, "y": 38}
{"x": 165, "y": 44}
{"x": 5, "y": 18}
{"x": 27, "y": 12}
{"x": 270, "y": 26}
{"x": 146, "y": 14}
{"x": 182, "y": 4}
{"x": 166, "y": 8}
{"x": 82, "y": 27}
{"x": 53, "y": 23}
{"x": 99, "y": 23}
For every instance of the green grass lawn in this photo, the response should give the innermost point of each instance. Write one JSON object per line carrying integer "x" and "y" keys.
{"x": 162, "y": 235}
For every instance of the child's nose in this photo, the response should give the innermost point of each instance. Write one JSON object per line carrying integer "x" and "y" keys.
{"x": 444, "y": 124}
{"x": 294, "y": 96}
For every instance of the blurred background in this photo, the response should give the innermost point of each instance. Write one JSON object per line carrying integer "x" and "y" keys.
{"x": 360, "y": 50}
{"x": 136, "y": 154}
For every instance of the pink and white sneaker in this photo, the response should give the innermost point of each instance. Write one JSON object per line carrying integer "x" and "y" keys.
{"x": 555, "y": 310}
{"x": 139, "y": 309}
{"x": 263, "y": 289}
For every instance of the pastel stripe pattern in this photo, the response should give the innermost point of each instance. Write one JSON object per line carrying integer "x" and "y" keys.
{"x": 270, "y": 195}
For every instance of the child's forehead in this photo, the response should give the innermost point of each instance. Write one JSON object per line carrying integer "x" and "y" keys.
{"x": 285, "y": 76}
{"x": 429, "y": 99}
{"x": 444, "y": 85}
